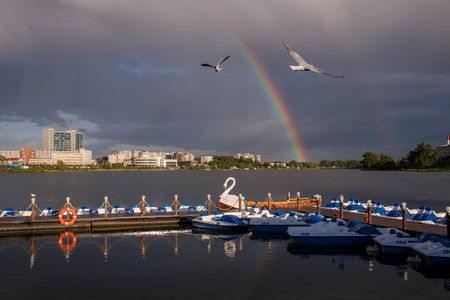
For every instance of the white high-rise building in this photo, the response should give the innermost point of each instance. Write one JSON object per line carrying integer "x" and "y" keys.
{"x": 68, "y": 140}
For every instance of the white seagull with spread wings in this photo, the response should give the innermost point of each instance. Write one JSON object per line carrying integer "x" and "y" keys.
{"x": 303, "y": 65}
{"x": 217, "y": 68}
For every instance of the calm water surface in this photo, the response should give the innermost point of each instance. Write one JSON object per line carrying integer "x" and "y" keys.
{"x": 180, "y": 263}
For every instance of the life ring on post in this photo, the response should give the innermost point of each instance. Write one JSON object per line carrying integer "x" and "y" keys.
{"x": 70, "y": 246}
{"x": 69, "y": 210}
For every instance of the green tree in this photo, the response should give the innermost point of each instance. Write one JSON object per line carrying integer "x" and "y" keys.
{"x": 371, "y": 160}
{"x": 339, "y": 163}
{"x": 61, "y": 165}
{"x": 293, "y": 164}
{"x": 353, "y": 163}
{"x": 424, "y": 156}
{"x": 326, "y": 164}
{"x": 387, "y": 162}
{"x": 2, "y": 160}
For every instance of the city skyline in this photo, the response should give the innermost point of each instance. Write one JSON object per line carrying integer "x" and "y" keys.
{"x": 129, "y": 74}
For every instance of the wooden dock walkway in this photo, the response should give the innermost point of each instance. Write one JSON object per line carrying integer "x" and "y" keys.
{"x": 20, "y": 225}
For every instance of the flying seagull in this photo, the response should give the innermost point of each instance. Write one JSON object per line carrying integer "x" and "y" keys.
{"x": 217, "y": 68}
{"x": 303, "y": 65}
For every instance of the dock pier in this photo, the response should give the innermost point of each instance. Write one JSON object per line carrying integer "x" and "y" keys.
{"x": 68, "y": 219}
{"x": 43, "y": 225}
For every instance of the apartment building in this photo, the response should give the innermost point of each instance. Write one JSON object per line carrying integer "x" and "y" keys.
{"x": 118, "y": 158}
{"x": 444, "y": 150}
{"x": 206, "y": 159}
{"x": 80, "y": 157}
{"x": 138, "y": 158}
{"x": 67, "y": 140}
{"x": 248, "y": 155}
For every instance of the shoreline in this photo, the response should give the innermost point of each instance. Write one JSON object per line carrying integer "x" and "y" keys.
{"x": 19, "y": 171}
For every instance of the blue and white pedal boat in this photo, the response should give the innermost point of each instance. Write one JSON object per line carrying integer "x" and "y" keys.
{"x": 397, "y": 242}
{"x": 47, "y": 211}
{"x": 280, "y": 224}
{"x": 424, "y": 214}
{"x": 219, "y": 221}
{"x": 395, "y": 211}
{"x": 26, "y": 212}
{"x": 165, "y": 208}
{"x": 254, "y": 212}
{"x": 117, "y": 209}
{"x": 333, "y": 233}
{"x": 8, "y": 212}
{"x": 435, "y": 252}
{"x": 334, "y": 203}
{"x": 82, "y": 210}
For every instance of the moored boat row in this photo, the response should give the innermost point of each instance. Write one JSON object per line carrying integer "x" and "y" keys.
{"x": 423, "y": 215}
{"x": 84, "y": 210}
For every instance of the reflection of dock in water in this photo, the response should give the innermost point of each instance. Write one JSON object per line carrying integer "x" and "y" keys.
{"x": 69, "y": 242}
{"x": 111, "y": 239}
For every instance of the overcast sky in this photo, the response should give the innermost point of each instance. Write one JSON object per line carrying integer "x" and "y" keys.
{"x": 128, "y": 73}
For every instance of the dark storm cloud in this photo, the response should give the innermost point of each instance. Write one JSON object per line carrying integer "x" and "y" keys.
{"x": 129, "y": 73}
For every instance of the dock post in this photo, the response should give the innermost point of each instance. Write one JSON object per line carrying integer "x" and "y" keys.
{"x": 448, "y": 219}
{"x": 143, "y": 205}
{"x": 369, "y": 212}
{"x": 176, "y": 205}
{"x": 269, "y": 198}
{"x": 105, "y": 204}
{"x": 317, "y": 203}
{"x": 341, "y": 206}
{"x": 404, "y": 215}
{"x": 298, "y": 201}
{"x": 240, "y": 202}
{"x": 33, "y": 208}
{"x": 208, "y": 204}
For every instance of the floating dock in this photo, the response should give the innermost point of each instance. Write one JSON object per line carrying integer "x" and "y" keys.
{"x": 113, "y": 222}
{"x": 13, "y": 226}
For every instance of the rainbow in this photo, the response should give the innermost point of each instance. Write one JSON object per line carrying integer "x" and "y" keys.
{"x": 273, "y": 95}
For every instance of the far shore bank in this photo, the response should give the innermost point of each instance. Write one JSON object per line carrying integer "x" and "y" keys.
{"x": 40, "y": 170}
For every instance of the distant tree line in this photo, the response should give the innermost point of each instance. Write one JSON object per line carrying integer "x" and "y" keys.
{"x": 423, "y": 157}
{"x": 228, "y": 162}
{"x": 341, "y": 164}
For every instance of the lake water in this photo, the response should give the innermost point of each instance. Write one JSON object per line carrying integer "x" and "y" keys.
{"x": 179, "y": 263}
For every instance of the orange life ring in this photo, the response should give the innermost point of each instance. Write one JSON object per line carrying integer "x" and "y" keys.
{"x": 69, "y": 210}
{"x": 67, "y": 246}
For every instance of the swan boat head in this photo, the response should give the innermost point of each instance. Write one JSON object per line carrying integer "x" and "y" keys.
{"x": 225, "y": 185}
